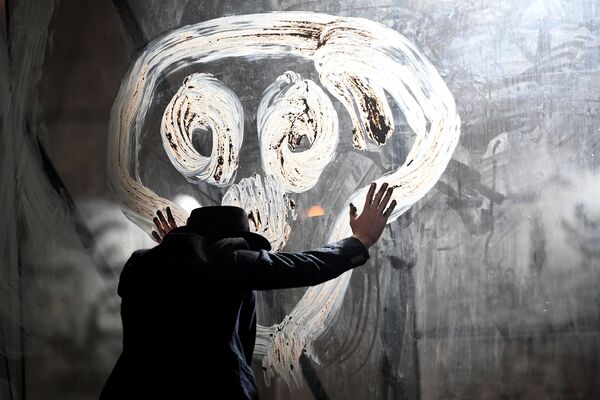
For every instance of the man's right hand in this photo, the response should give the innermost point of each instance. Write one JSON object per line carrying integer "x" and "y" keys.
{"x": 163, "y": 226}
{"x": 368, "y": 226}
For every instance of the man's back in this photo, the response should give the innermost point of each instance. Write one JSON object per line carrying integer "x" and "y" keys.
{"x": 184, "y": 326}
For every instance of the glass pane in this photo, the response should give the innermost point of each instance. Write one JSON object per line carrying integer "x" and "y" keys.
{"x": 487, "y": 287}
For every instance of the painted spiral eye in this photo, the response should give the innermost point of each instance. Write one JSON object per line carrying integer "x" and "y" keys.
{"x": 298, "y": 131}
{"x": 204, "y": 104}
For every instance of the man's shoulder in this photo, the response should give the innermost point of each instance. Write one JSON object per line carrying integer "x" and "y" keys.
{"x": 177, "y": 247}
{"x": 136, "y": 255}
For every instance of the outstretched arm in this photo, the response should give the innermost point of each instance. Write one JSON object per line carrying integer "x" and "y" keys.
{"x": 263, "y": 270}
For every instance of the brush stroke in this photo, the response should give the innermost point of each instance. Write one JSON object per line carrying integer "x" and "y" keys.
{"x": 269, "y": 208}
{"x": 358, "y": 61}
{"x": 293, "y": 110}
{"x": 206, "y": 104}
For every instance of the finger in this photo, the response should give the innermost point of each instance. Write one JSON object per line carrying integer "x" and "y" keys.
{"x": 171, "y": 219}
{"x": 159, "y": 226}
{"x": 352, "y": 211}
{"x": 379, "y": 195}
{"x": 156, "y": 236}
{"x": 370, "y": 193}
{"x": 386, "y": 199}
{"x": 163, "y": 220}
{"x": 390, "y": 209}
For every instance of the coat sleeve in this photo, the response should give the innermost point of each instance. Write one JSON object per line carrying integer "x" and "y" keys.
{"x": 262, "y": 270}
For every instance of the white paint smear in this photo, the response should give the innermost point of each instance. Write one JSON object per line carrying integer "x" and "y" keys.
{"x": 358, "y": 61}
{"x": 291, "y": 111}
{"x": 269, "y": 208}
{"x": 203, "y": 104}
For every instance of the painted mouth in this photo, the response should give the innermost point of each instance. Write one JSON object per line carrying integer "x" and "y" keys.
{"x": 268, "y": 207}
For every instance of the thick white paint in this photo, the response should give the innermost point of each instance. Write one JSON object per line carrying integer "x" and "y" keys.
{"x": 269, "y": 208}
{"x": 292, "y": 109}
{"x": 204, "y": 103}
{"x": 358, "y": 62}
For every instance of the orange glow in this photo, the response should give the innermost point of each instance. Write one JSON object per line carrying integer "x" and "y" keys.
{"x": 315, "y": 211}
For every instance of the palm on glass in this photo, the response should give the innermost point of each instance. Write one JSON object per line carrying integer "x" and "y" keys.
{"x": 163, "y": 225}
{"x": 368, "y": 226}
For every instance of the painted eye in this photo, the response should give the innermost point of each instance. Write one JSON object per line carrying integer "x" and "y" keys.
{"x": 203, "y": 105}
{"x": 298, "y": 131}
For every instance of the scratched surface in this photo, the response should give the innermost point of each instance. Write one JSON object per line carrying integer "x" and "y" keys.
{"x": 489, "y": 287}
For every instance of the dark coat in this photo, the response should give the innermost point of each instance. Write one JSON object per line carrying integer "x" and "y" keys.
{"x": 188, "y": 311}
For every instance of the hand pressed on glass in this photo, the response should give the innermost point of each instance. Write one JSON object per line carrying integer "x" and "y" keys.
{"x": 368, "y": 226}
{"x": 163, "y": 226}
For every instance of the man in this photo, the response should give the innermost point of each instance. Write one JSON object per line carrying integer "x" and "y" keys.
{"x": 188, "y": 306}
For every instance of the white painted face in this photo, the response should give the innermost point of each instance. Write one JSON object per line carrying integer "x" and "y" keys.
{"x": 357, "y": 61}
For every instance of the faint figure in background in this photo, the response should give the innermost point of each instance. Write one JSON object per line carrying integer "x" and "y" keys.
{"x": 188, "y": 306}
